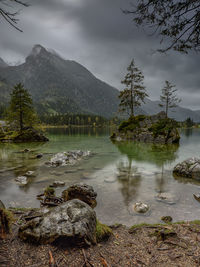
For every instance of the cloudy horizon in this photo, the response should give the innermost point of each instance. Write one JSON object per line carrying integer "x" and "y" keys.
{"x": 99, "y": 36}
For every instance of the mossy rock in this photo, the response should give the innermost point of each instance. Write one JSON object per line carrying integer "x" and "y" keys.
{"x": 49, "y": 192}
{"x": 103, "y": 232}
{"x": 26, "y": 135}
{"x": 131, "y": 124}
{"x": 6, "y": 220}
{"x": 163, "y": 234}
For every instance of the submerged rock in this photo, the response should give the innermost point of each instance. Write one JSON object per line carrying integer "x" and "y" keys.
{"x": 68, "y": 158}
{"x": 166, "y": 198}
{"x": 29, "y": 173}
{"x": 81, "y": 191}
{"x": 57, "y": 183}
{"x": 38, "y": 156}
{"x": 149, "y": 129}
{"x": 189, "y": 168}
{"x": 166, "y": 219}
{"x": 72, "y": 221}
{"x": 22, "y": 180}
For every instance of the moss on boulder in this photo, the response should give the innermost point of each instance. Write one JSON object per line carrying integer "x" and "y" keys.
{"x": 103, "y": 232}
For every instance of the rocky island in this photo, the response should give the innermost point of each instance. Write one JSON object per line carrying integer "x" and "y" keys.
{"x": 149, "y": 129}
{"x": 28, "y": 134}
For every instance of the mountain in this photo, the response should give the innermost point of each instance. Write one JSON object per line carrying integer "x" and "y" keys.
{"x": 59, "y": 86}
{"x": 3, "y": 64}
{"x": 179, "y": 113}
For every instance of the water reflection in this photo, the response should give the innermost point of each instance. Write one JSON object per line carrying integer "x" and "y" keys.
{"x": 122, "y": 174}
{"x": 130, "y": 180}
{"x": 188, "y": 132}
{"x": 130, "y": 177}
{"x": 79, "y": 131}
{"x": 151, "y": 153}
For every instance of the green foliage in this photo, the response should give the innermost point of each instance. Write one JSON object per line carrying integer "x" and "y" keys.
{"x": 163, "y": 126}
{"x": 134, "y": 93}
{"x": 20, "y": 113}
{"x": 189, "y": 122}
{"x": 2, "y": 111}
{"x": 103, "y": 232}
{"x": 77, "y": 120}
{"x": 131, "y": 124}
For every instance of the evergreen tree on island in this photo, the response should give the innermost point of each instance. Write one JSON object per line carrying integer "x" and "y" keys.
{"x": 134, "y": 93}
{"x": 21, "y": 113}
{"x": 168, "y": 97}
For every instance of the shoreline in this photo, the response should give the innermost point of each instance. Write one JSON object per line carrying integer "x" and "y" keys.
{"x": 167, "y": 244}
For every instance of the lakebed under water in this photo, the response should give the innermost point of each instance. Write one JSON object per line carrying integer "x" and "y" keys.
{"x": 121, "y": 174}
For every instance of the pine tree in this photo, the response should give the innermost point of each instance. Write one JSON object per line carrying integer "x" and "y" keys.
{"x": 134, "y": 93}
{"x": 20, "y": 112}
{"x": 168, "y": 97}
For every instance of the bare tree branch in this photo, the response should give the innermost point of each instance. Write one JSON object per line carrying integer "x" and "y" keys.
{"x": 176, "y": 21}
{"x": 8, "y": 15}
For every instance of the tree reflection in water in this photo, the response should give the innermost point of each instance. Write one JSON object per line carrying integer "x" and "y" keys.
{"x": 128, "y": 175}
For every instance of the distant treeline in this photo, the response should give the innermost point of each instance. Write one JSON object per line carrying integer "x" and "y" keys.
{"x": 77, "y": 120}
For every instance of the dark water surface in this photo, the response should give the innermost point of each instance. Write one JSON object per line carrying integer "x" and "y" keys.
{"x": 122, "y": 174}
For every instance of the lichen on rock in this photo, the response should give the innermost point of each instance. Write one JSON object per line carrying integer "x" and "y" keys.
{"x": 72, "y": 222}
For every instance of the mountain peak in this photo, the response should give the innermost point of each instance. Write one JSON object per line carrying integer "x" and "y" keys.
{"x": 37, "y": 49}
{"x": 3, "y": 64}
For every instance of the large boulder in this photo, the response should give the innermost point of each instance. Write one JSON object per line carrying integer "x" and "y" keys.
{"x": 189, "y": 168}
{"x": 81, "y": 191}
{"x": 72, "y": 222}
{"x": 149, "y": 129}
{"x": 68, "y": 158}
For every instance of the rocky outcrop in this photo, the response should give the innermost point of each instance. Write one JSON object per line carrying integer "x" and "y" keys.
{"x": 189, "y": 168}
{"x": 73, "y": 221}
{"x": 26, "y": 135}
{"x": 68, "y": 158}
{"x": 81, "y": 191}
{"x": 149, "y": 129}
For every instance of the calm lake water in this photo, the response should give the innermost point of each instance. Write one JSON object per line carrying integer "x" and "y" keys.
{"x": 121, "y": 174}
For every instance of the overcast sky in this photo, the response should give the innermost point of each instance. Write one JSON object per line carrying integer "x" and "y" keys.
{"x": 98, "y": 35}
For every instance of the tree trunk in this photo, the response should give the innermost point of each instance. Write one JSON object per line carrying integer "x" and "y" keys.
{"x": 132, "y": 111}
{"x": 21, "y": 121}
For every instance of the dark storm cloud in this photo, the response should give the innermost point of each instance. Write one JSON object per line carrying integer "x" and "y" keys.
{"x": 98, "y": 35}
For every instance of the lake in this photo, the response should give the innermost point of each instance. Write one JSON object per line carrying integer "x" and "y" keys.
{"x": 121, "y": 174}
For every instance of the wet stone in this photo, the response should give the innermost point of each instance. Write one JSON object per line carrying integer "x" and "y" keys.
{"x": 22, "y": 180}
{"x": 167, "y": 198}
{"x": 81, "y": 191}
{"x": 58, "y": 183}
{"x": 72, "y": 222}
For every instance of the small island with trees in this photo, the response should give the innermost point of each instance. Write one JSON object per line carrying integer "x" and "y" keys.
{"x": 150, "y": 129}
{"x": 21, "y": 119}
